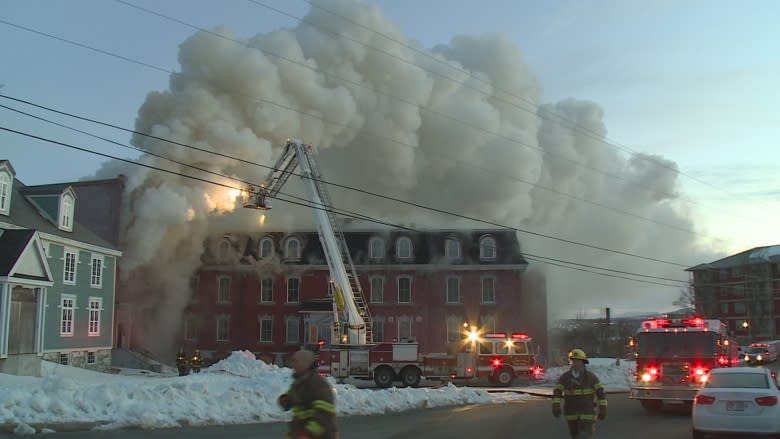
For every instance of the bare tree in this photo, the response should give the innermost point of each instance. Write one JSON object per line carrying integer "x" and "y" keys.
{"x": 685, "y": 300}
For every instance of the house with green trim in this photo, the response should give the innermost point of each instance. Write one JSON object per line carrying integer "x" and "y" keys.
{"x": 57, "y": 280}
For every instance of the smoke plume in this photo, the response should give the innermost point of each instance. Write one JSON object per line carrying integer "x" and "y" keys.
{"x": 474, "y": 139}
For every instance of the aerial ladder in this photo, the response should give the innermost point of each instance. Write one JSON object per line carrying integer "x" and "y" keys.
{"x": 344, "y": 285}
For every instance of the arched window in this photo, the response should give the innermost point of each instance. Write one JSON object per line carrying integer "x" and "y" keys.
{"x": 376, "y": 248}
{"x": 224, "y": 249}
{"x": 292, "y": 250}
{"x": 266, "y": 248}
{"x": 403, "y": 248}
{"x": 5, "y": 192}
{"x": 452, "y": 248}
{"x": 487, "y": 248}
{"x": 66, "y": 212}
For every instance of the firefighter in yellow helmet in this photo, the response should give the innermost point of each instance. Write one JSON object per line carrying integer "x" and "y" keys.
{"x": 197, "y": 361}
{"x": 578, "y": 387}
{"x": 182, "y": 364}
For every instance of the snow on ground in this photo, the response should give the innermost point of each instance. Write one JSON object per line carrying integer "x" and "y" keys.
{"x": 236, "y": 390}
{"x": 614, "y": 377}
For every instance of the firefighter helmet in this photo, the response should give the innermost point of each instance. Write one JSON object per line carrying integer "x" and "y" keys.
{"x": 578, "y": 354}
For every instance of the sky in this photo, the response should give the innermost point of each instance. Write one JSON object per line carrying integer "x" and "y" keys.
{"x": 237, "y": 390}
{"x": 691, "y": 83}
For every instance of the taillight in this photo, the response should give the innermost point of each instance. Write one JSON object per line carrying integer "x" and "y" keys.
{"x": 707, "y": 399}
{"x": 766, "y": 401}
{"x": 652, "y": 371}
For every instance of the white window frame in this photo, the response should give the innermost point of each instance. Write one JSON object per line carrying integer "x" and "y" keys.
{"x": 220, "y": 293}
{"x": 482, "y": 287}
{"x": 398, "y": 246}
{"x": 297, "y": 325}
{"x": 91, "y": 357}
{"x": 95, "y": 311}
{"x": 69, "y": 280}
{"x": 270, "y": 243}
{"x": 289, "y": 254}
{"x": 448, "y": 253}
{"x": 67, "y": 318}
{"x": 96, "y": 274}
{"x": 398, "y": 288}
{"x": 270, "y": 319}
{"x": 378, "y": 251}
{"x": 263, "y": 290}
{"x": 67, "y": 207}
{"x": 5, "y": 192}
{"x": 64, "y": 358}
{"x": 220, "y": 319}
{"x": 373, "y": 295}
{"x": 486, "y": 250}
{"x": 448, "y": 292}
{"x": 404, "y": 320}
{"x": 287, "y": 287}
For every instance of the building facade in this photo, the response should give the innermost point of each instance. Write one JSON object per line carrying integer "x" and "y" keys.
{"x": 57, "y": 280}
{"x": 269, "y": 293}
{"x": 743, "y": 290}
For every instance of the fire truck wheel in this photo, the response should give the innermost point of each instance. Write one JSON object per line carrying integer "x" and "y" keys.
{"x": 503, "y": 376}
{"x": 383, "y": 377}
{"x": 652, "y": 405}
{"x": 410, "y": 376}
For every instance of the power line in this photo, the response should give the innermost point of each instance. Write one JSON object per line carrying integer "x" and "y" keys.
{"x": 314, "y": 205}
{"x": 583, "y": 129}
{"x": 363, "y": 191}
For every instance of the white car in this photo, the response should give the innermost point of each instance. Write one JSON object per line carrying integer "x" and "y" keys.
{"x": 737, "y": 400}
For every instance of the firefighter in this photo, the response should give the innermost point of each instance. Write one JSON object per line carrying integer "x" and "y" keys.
{"x": 197, "y": 361}
{"x": 311, "y": 400}
{"x": 181, "y": 363}
{"x": 578, "y": 387}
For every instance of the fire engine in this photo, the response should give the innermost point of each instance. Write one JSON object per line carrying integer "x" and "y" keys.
{"x": 674, "y": 358}
{"x": 499, "y": 356}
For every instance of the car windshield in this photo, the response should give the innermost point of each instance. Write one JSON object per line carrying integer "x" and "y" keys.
{"x": 738, "y": 380}
{"x": 681, "y": 343}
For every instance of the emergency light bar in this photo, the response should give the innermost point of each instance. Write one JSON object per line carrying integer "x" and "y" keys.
{"x": 692, "y": 324}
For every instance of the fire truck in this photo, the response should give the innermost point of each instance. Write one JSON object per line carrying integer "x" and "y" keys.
{"x": 500, "y": 357}
{"x": 674, "y": 358}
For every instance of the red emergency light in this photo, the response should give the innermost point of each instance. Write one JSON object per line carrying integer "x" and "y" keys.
{"x": 496, "y": 335}
{"x": 496, "y": 362}
{"x": 520, "y": 335}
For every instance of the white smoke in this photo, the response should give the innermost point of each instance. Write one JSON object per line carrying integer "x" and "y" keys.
{"x": 400, "y": 140}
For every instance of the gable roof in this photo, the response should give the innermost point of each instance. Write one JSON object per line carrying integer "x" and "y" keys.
{"x": 13, "y": 243}
{"x": 22, "y": 256}
{"x": 8, "y": 164}
{"x": 756, "y": 255}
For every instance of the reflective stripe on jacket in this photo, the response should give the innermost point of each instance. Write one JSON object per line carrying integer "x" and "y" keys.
{"x": 578, "y": 395}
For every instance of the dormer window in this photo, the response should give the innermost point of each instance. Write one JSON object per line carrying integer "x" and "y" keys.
{"x": 5, "y": 192}
{"x": 266, "y": 248}
{"x": 67, "y": 202}
{"x": 403, "y": 248}
{"x": 487, "y": 248}
{"x": 224, "y": 249}
{"x": 452, "y": 248}
{"x": 292, "y": 249}
{"x": 376, "y": 248}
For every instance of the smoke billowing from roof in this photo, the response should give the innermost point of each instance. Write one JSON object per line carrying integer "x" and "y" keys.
{"x": 242, "y": 102}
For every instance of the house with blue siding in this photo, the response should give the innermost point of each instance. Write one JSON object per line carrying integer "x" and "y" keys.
{"x": 57, "y": 280}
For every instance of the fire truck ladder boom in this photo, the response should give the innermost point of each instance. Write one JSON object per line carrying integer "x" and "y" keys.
{"x": 346, "y": 290}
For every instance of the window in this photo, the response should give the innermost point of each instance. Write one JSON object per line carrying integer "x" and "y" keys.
{"x": 90, "y": 357}
{"x": 377, "y": 290}
{"x": 266, "y": 248}
{"x": 95, "y": 305}
{"x": 224, "y": 249}
{"x": 454, "y": 328}
{"x": 403, "y": 249}
{"x": 521, "y": 348}
{"x": 267, "y": 290}
{"x": 376, "y": 248}
{"x": 190, "y": 332}
{"x": 739, "y": 308}
{"x": 378, "y": 330}
{"x": 293, "y": 249}
{"x": 452, "y": 248}
{"x": 64, "y": 359}
{"x": 223, "y": 328}
{"x": 69, "y": 274}
{"x": 266, "y": 329}
{"x": 223, "y": 295}
{"x": 67, "y": 305}
{"x": 5, "y": 192}
{"x": 724, "y": 308}
{"x": 486, "y": 348}
{"x": 488, "y": 290}
{"x": 293, "y": 290}
{"x": 66, "y": 212}
{"x": 96, "y": 278}
{"x": 487, "y": 248}
{"x": 453, "y": 290}
{"x": 488, "y": 324}
{"x": 404, "y": 290}
{"x": 292, "y": 329}
{"x": 404, "y": 328}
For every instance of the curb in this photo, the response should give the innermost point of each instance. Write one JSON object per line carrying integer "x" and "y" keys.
{"x": 68, "y": 427}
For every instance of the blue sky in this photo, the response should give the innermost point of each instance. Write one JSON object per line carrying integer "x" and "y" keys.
{"x": 697, "y": 82}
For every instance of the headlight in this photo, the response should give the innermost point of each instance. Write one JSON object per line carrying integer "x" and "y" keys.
{"x": 759, "y": 357}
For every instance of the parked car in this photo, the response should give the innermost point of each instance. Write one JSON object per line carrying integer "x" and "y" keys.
{"x": 737, "y": 400}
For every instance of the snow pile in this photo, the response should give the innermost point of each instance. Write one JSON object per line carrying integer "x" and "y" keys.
{"x": 615, "y": 377}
